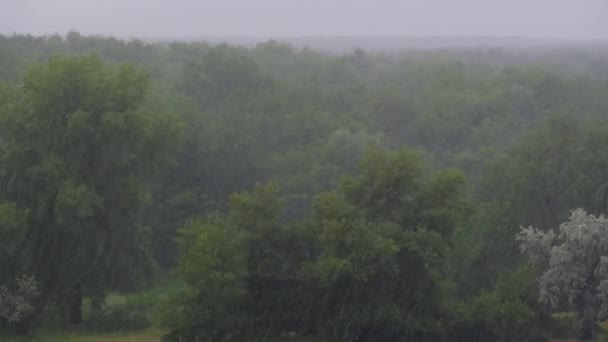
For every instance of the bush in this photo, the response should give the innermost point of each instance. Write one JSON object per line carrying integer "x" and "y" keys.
{"x": 123, "y": 316}
{"x": 564, "y": 324}
{"x": 16, "y": 302}
{"x": 213, "y": 261}
{"x": 602, "y": 335}
{"x": 508, "y": 313}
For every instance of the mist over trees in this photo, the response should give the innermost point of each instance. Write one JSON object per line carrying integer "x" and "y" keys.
{"x": 280, "y": 193}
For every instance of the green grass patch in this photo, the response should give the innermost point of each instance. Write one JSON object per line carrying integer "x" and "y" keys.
{"x": 148, "y": 335}
{"x": 132, "y": 317}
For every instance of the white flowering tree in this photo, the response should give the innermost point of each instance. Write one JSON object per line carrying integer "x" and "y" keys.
{"x": 16, "y": 302}
{"x": 573, "y": 266}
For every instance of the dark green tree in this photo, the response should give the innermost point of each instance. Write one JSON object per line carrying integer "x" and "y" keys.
{"x": 383, "y": 236}
{"x": 75, "y": 157}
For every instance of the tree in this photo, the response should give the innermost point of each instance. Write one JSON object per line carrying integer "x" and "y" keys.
{"x": 75, "y": 156}
{"x": 573, "y": 262}
{"x": 508, "y": 312}
{"x": 241, "y": 272}
{"x": 365, "y": 266}
{"x": 224, "y": 75}
{"x": 214, "y": 265}
{"x": 549, "y": 170}
{"x": 383, "y": 237}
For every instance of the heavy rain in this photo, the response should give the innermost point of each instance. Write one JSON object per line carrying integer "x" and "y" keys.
{"x": 303, "y": 171}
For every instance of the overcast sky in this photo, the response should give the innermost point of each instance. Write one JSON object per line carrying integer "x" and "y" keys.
{"x": 292, "y": 18}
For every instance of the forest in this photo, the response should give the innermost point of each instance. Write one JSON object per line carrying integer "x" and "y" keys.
{"x": 210, "y": 192}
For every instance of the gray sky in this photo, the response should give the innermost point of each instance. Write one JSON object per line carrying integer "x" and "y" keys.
{"x": 290, "y": 18}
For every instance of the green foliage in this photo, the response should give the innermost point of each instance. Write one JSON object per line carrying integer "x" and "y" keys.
{"x": 509, "y": 312}
{"x": 131, "y": 312}
{"x": 602, "y": 331}
{"x": 96, "y": 179}
{"x": 387, "y": 185}
{"x": 13, "y": 223}
{"x": 565, "y": 324}
{"x": 223, "y": 75}
{"x": 352, "y": 271}
{"x": 214, "y": 264}
{"x": 382, "y": 247}
{"x": 539, "y": 180}
{"x": 76, "y": 152}
{"x": 123, "y": 317}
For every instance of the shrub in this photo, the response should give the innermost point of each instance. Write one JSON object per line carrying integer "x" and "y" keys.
{"x": 16, "y": 300}
{"x": 119, "y": 317}
{"x": 564, "y": 324}
{"x": 508, "y": 313}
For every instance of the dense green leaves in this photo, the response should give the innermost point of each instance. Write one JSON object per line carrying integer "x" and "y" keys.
{"x": 359, "y": 238}
{"x": 214, "y": 263}
{"x": 76, "y": 153}
{"x": 551, "y": 170}
{"x": 510, "y": 312}
{"x": 364, "y": 274}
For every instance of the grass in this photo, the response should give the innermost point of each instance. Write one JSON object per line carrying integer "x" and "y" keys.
{"x": 116, "y": 325}
{"x": 148, "y": 335}
{"x": 112, "y": 326}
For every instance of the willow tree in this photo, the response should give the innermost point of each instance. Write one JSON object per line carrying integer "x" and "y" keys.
{"x": 74, "y": 157}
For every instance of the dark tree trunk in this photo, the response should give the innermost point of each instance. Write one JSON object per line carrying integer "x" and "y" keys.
{"x": 587, "y": 330}
{"x": 588, "y": 316}
{"x": 23, "y": 327}
{"x": 75, "y": 306}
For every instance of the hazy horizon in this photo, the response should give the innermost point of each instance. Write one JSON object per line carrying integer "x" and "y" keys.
{"x": 541, "y": 19}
